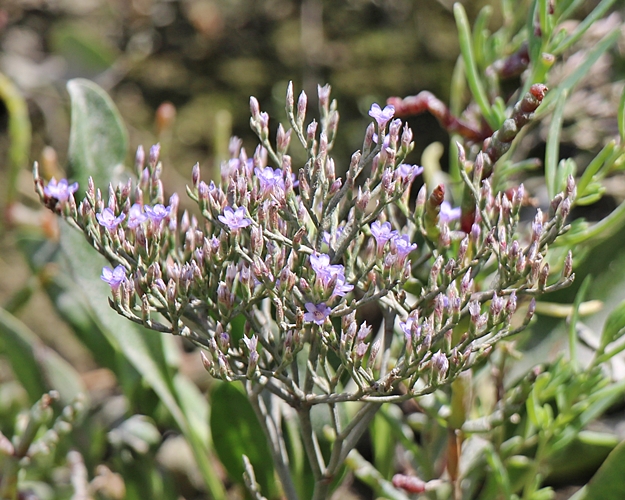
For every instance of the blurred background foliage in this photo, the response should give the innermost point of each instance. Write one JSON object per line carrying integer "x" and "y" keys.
{"x": 181, "y": 73}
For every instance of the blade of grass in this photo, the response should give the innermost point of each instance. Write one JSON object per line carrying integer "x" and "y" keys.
{"x": 553, "y": 146}
{"x": 582, "y": 27}
{"x": 473, "y": 78}
{"x": 621, "y": 118}
{"x": 573, "y": 79}
{"x": 19, "y": 134}
{"x": 579, "y": 298}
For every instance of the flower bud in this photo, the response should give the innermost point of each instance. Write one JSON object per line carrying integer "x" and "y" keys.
{"x": 254, "y": 108}
{"x": 406, "y": 138}
{"x": 568, "y": 265}
{"x": 290, "y": 101}
{"x": 440, "y": 365}
{"x": 207, "y": 362}
{"x": 311, "y": 132}
{"x": 302, "y": 104}
{"x": 283, "y": 139}
{"x": 155, "y": 152}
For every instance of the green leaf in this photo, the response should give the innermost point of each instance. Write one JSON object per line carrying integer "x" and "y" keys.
{"x": 588, "y": 21}
{"x": 38, "y": 367}
{"x": 98, "y": 148}
{"x": 621, "y": 118}
{"x": 20, "y": 134}
{"x": 614, "y": 326}
{"x": 383, "y": 445}
{"x": 579, "y": 298}
{"x": 98, "y": 140}
{"x": 473, "y": 78}
{"x": 609, "y": 481}
{"x": 141, "y": 347}
{"x": 553, "y": 147}
{"x": 582, "y": 69}
{"x": 237, "y": 432}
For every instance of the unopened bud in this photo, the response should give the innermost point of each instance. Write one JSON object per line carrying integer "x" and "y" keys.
{"x": 155, "y": 152}
{"x": 290, "y": 101}
{"x": 139, "y": 160}
{"x": 530, "y": 310}
{"x": 311, "y": 132}
{"x": 254, "y": 108}
{"x": 406, "y": 137}
{"x": 440, "y": 364}
{"x": 511, "y": 304}
{"x": 283, "y": 139}
{"x": 568, "y": 265}
{"x": 478, "y": 168}
{"x": 362, "y": 200}
{"x": 206, "y": 362}
{"x": 302, "y": 103}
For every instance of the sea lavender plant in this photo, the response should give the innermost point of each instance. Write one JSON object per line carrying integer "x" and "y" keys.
{"x": 298, "y": 255}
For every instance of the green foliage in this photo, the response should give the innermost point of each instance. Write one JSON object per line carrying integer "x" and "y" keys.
{"x": 237, "y": 432}
{"x": 98, "y": 142}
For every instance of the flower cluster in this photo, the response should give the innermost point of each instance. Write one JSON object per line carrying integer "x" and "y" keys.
{"x": 316, "y": 247}
{"x": 296, "y": 256}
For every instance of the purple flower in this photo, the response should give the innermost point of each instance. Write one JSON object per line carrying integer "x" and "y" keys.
{"x": 447, "y": 213}
{"x": 408, "y": 172}
{"x": 342, "y": 287}
{"x": 440, "y": 363}
{"x": 382, "y": 233}
{"x": 328, "y": 238}
{"x": 136, "y": 216}
{"x": 235, "y": 219}
{"x": 317, "y": 313}
{"x": 114, "y": 277}
{"x": 411, "y": 329}
{"x": 404, "y": 247}
{"x": 108, "y": 220}
{"x": 271, "y": 181}
{"x": 382, "y": 116}
{"x": 321, "y": 265}
{"x": 158, "y": 212}
{"x": 60, "y": 190}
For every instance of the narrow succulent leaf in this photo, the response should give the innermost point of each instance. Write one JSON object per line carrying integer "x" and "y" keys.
{"x": 473, "y": 78}
{"x": 597, "y": 13}
{"x": 594, "y": 166}
{"x": 579, "y": 298}
{"x": 573, "y": 79}
{"x": 621, "y": 118}
{"x": 553, "y": 146}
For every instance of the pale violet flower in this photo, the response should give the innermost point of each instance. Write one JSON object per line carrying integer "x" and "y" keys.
{"x": 382, "y": 232}
{"x": 60, "y": 190}
{"x": 317, "y": 313}
{"x": 408, "y": 172}
{"x": 114, "y": 277}
{"x": 108, "y": 220}
{"x": 321, "y": 265}
{"x": 403, "y": 245}
{"x": 447, "y": 213}
{"x": 158, "y": 212}
{"x": 235, "y": 219}
{"x": 136, "y": 216}
{"x": 381, "y": 116}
